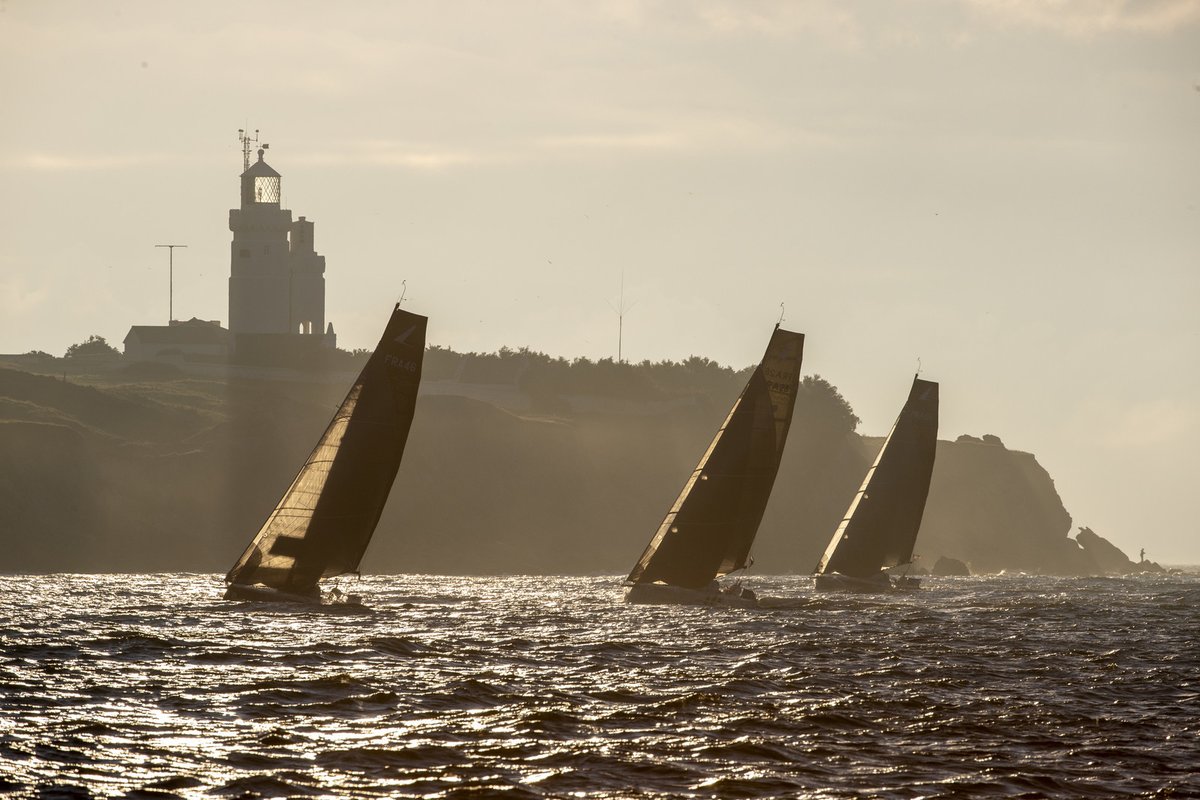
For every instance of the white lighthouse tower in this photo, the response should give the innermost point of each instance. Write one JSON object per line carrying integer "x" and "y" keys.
{"x": 277, "y": 279}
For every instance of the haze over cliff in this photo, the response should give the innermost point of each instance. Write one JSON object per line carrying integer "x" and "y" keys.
{"x": 516, "y": 463}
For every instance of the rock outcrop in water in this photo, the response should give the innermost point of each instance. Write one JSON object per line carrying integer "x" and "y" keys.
{"x": 950, "y": 566}
{"x": 161, "y": 471}
{"x": 1108, "y": 558}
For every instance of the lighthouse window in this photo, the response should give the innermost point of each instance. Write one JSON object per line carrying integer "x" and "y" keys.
{"x": 266, "y": 249}
{"x": 266, "y": 189}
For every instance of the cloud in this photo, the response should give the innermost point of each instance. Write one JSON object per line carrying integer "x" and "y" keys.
{"x": 657, "y": 132}
{"x": 18, "y": 300}
{"x": 637, "y": 141}
{"x": 393, "y": 154}
{"x": 855, "y": 28}
{"x": 685, "y": 133}
{"x": 1149, "y": 423}
{"x": 825, "y": 20}
{"x": 1090, "y": 18}
{"x": 80, "y": 162}
{"x": 829, "y": 21}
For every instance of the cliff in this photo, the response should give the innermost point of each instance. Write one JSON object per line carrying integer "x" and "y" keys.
{"x": 997, "y": 509}
{"x": 146, "y": 472}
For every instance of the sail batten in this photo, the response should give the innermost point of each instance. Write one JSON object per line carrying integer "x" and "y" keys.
{"x": 324, "y": 521}
{"x": 711, "y": 526}
{"x": 881, "y": 525}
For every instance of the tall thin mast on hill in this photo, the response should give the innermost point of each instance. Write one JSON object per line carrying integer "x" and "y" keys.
{"x": 621, "y": 309}
{"x": 171, "y": 280}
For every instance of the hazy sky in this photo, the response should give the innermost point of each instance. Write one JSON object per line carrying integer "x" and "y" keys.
{"x": 1008, "y": 190}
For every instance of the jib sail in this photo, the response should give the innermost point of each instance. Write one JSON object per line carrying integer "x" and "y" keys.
{"x": 880, "y": 528}
{"x": 325, "y": 519}
{"x": 709, "y": 530}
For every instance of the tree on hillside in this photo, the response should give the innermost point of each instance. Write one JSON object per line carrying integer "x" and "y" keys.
{"x": 94, "y": 346}
{"x": 824, "y": 400}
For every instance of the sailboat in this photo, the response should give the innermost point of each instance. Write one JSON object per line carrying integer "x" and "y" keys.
{"x": 710, "y": 529}
{"x": 880, "y": 527}
{"x": 324, "y": 521}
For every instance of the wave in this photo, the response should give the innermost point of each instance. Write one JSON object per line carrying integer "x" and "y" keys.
{"x": 550, "y": 688}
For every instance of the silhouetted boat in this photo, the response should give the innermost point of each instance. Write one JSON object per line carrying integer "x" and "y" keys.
{"x": 709, "y": 530}
{"x": 325, "y": 519}
{"x": 880, "y": 528}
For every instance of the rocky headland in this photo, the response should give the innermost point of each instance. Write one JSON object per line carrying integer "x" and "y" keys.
{"x": 516, "y": 463}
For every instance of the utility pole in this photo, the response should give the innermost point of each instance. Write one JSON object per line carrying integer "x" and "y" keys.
{"x": 171, "y": 285}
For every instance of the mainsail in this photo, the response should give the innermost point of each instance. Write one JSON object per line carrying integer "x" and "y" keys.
{"x": 881, "y": 525}
{"x": 325, "y": 519}
{"x": 709, "y": 530}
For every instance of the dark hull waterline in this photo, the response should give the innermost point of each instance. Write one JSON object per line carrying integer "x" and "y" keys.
{"x": 266, "y": 594}
{"x": 880, "y": 582}
{"x": 662, "y": 594}
{"x": 258, "y": 593}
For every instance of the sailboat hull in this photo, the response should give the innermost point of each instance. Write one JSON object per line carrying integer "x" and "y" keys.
{"x": 265, "y": 594}
{"x": 880, "y": 582}
{"x": 662, "y": 594}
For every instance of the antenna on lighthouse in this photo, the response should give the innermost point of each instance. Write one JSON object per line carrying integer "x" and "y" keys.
{"x": 247, "y": 146}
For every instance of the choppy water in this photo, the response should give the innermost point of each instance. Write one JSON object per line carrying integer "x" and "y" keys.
{"x": 148, "y": 686}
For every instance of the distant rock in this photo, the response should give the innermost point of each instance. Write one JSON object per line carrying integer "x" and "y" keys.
{"x": 950, "y": 566}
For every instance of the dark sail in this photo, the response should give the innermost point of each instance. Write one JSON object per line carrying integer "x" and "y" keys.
{"x": 709, "y": 530}
{"x": 881, "y": 525}
{"x": 326, "y": 517}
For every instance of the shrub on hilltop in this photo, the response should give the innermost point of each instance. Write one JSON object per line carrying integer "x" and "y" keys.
{"x": 94, "y": 345}
{"x": 542, "y": 375}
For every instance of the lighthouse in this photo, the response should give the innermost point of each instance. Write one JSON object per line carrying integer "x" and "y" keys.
{"x": 276, "y": 289}
{"x": 276, "y": 277}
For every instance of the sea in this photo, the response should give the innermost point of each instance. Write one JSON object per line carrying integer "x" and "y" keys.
{"x": 151, "y": 686}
